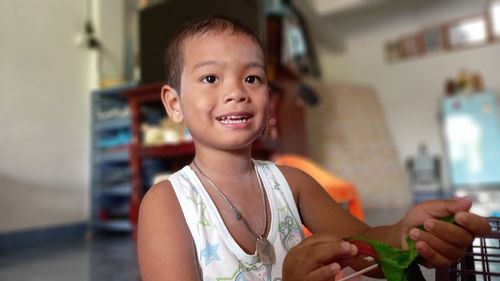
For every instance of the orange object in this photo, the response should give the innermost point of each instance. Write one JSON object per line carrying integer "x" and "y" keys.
{"x": 340, "y": 190}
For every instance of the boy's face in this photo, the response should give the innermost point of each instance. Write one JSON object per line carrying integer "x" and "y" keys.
{"x": 224, "y": 91}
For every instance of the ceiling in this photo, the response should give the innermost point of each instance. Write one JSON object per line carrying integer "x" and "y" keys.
{"x": 331, "y": 7}
{"x": 330, "y": 21}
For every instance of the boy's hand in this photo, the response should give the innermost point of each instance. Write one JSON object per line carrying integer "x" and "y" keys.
{"x": 317, "y": 258}
{"x": 442, "y": 243}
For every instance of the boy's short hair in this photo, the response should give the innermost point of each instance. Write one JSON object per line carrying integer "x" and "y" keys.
{"x": 174, "y": 53}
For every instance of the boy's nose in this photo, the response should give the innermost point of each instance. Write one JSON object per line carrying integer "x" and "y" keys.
{"x": 236, "y": 94}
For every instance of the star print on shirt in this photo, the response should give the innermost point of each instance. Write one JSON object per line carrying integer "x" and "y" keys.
{"x": 195, "y": 197}
{"x": 210, "y": 253}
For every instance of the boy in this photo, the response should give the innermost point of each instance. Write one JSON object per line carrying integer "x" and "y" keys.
{"x": 228, "y": 217}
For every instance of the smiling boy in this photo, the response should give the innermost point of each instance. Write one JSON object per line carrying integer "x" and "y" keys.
{"x": 229, "y": 217}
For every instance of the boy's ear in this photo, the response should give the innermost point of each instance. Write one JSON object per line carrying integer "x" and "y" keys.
{"x": 172, "y": 103}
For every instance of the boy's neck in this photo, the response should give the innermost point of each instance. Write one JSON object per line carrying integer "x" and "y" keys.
{"x": 224, "y": 164}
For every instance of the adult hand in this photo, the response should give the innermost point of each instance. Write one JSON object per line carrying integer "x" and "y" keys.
{"x": 442, "y": 243}
{"x": 317, "y": 258}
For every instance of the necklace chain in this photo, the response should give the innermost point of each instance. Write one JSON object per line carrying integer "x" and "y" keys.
{"x": 237, "y": 212}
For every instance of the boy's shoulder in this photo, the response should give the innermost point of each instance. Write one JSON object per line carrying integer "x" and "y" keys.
{"x": 160, "y": 196}
{"x": 160, "y": 186}
{"x": 292, "y": 173}
{"x": 296, "y": 179}
{"x": 163, "y": 193}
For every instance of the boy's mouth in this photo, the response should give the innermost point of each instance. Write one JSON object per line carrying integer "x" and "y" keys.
{"x": 234, "y": 118}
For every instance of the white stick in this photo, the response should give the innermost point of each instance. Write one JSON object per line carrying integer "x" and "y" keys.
{"x": 373, "y": 266}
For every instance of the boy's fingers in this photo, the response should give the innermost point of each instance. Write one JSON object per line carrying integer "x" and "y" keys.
{"x": 329, "y": 252}
{"x": 443, "y": 248}
{"x": 444, "y": 208}
{"x": 324, "y": 273}
{"x": 318, "y": 257}
{"x": 432, "y": 257}
{"x": 325, "y": 249}
{"x": 319, "y": 238}
{"x": 475, "y": 224}
{"x": 460, "y": 204}
{"x": 449, "y": 232}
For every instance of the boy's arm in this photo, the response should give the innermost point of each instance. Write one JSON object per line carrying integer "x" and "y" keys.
{"x": 166, "y": 250}
{"x": 440, "y": 245}
{"x": 322, "y": 215}
{"x": 318, "y": 211}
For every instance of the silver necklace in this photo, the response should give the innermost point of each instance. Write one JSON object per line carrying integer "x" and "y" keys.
{"x": 263, "y": 248}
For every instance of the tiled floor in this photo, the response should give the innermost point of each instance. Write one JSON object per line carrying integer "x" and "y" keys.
{"x": 98, "y": 258}
{"x": 105, "y": 258}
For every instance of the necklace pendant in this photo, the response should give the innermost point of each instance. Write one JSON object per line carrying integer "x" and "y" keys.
{"x": 265, "y": 251}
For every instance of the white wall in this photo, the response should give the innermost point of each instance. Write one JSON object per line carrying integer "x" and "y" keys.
{"x": 44, "y": 114}
{"x": 110, "y": 30}
{"x": 409, "y": 90}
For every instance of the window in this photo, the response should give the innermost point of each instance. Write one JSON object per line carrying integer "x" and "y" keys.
{"x": 456, "y": 34}
{"x": 470, "y": 31}
{"x": 433, "y": 39}
{"x": 494, "y": 12}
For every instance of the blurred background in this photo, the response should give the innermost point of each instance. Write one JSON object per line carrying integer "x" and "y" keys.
{"x": 388, "y": 102}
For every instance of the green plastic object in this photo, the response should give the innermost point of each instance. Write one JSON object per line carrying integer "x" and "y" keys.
{"x": 397, "y": 264}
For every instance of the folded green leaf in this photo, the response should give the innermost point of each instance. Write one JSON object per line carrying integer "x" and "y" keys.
{"x": 394, "y": 262}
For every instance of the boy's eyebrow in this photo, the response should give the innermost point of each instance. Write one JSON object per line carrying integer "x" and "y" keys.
{"x": 203, "y": 63}
{"x": 256, "y": 64}
{"x": 212, "y": 62}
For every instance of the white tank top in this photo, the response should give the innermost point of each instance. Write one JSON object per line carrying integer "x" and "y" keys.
{"x": 219, "y": 256}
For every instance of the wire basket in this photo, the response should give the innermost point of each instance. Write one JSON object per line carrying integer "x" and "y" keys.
{"x": 481, "y": 262}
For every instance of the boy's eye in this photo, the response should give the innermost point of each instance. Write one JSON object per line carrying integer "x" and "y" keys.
{"x": 252, "y": 79}
{"x": 209, "y": 79}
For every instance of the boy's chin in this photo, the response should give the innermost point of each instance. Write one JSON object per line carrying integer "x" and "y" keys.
{"x": 239, "y": 146}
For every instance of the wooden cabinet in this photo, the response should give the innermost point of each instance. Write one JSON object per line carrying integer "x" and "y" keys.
{"x": 110, "y": 171}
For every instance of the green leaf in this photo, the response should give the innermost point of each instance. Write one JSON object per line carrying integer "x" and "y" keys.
{"x": 393, "y": 261}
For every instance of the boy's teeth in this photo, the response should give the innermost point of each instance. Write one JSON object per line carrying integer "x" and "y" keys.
{"x": 233, "y": 119}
